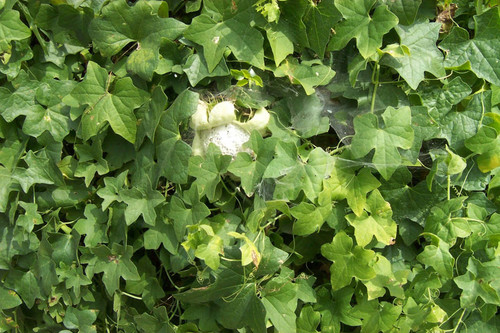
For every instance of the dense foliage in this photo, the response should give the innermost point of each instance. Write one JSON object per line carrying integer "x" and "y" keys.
{"x": 371, "y": 203}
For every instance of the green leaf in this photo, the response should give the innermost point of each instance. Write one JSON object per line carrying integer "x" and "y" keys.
{"x": 161, "y": 233}
{"x": 73, "y": 277}
{"x": 227, "y": 281}
{"x": 245, "y": 310}
{"x": 223, "y": 29}
{"x": 308, "y": 74}
{"x": 479, "y": 53}
{"x": 308, "y": 320}
{"x": 308, "y": 114}
{"x": 280, "y": 301}
{"x": 196, "y": 69}
{"x": 437, "y": 255}
{"x": 25, "y": 284}
{"x": 120, "y": 24}
{"x": 309, "y": 171}
{"x": 210, "y": 252}
{"x": 110, "y": 192}
{"x": 11, "y": 28}
{"x": 311, "y": 217}
{"x": 9, "y": 298}
{"x": 90, "y": 161}
{"x": 251, "y": 167}
{"x": 209, "y": 170}
{"x": 460, "y": 125}
{"x": 108, "y": 100}
{"x": 368, "y": 30}
{"x": 187, "y": 211}
{"x": 348, "y": 261}
{"x": 141, "y": 202}
{"x": 319, "y": 20}
{"x": 445, "y": 220}
{"x": 375, "y": 316}
{"x": 41, "y": 170}
{"x": 281, "y": 45}
{"x": 486, "y": 142}
{"x": 378, "y": 224}
{"x": 385, "y": 139}
{"x": 405, "y": 10}
{"x": 441, "y": 100}
{"x": 347, "y": 184}
{"x": 115, "y": 263}
{"x": 173, "y": 153}
{"x": 423, "y": 56}
{"x": 21, "y": 99}
{"x": 480, "y": 280}
{"x": 80, "y": 319}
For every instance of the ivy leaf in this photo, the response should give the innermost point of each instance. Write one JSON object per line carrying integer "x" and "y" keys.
{"x": 110, "y": 192}
{"x": 459, "y": 126}
{"x": 173, "y": 153}
{"x": 437, "y": 255}
{"x": 72, "y": 277}
{"x": 405, "y": 10}
{"x": 280, "y": 301}
{"x": 107, "y": 102}
{"x": 223, "y": 29}
{"x": 245, "y": 310}
{"x": 281, "y": 45}
{"x": 308, "y": 74}
{"x": 479, "y": 53}
{"x": 21, "y": 99}
{"x": 445, "y": 222}
{"x": 120, "y": 24}
{"x": 308, "y": 320}
{"x": 251, "y": 168}
{"x": 308, "y": 114}
{"x": 319, "y": 20}
{"x": 440, "y": 101}
{"x": 10, "y": 299}
{"x": 368, "y": 30}
{"x": 115, "y": 263}
{"x": 25, "y": 284}
{"x": 210, "y": 252}
{"x": 346, "y": 184}
{"x": 54, "y": 118}
{"x": 80, "y": 319}
{"x": 486, "y": 142}
{"x": 90, "y": 161}
{"x": 479, "y": 281}
{"x": 161, "y": 233}
{"x": 311, "y": 217}
{"x": 423, "y": 56}
{"x": 348, "y": 261}
{"x": 309, "y": 171}
{"x": 378, "y": 224}
{"x": 94, "y": 226}
{"x": 11, "y": 28}
{"x": 209, "y": 170}
{"x": 141, "y": 201}
{"x": 395, "y": 133}
{"x": 187, "y": 211}
{"x": 40, "y": 170}
{"x": 375, "y": 316}
{"x": 196, "y": 69}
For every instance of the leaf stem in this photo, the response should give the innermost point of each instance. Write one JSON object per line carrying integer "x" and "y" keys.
{"x": 375, "y": 86}
{"x": 130, "y": 295}
{"x": 459, "y": 321}
{"x": 448, "y": 187}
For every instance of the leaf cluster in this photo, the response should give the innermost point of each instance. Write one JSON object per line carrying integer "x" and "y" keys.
{"x": 370, "y": 205}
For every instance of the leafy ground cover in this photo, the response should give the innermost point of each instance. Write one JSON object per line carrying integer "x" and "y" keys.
{"x": 371, "y": 203}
